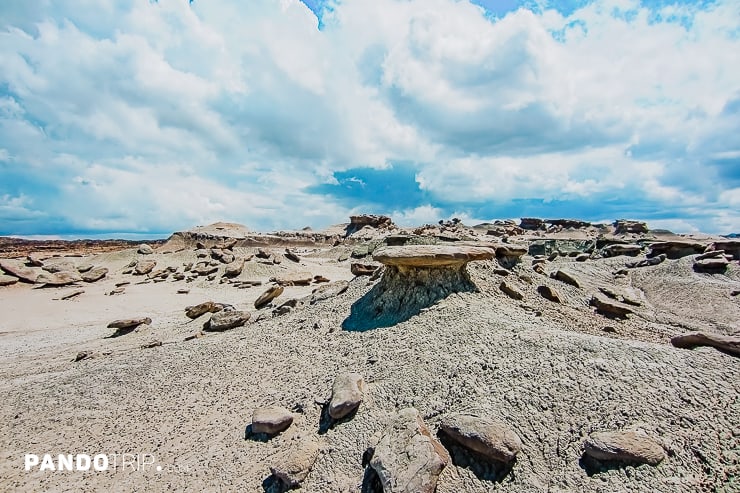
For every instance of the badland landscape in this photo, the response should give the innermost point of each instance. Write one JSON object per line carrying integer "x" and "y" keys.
{"x": 543, "y": 355}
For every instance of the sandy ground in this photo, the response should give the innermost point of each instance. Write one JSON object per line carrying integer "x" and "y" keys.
{"x": 549, "y": 370}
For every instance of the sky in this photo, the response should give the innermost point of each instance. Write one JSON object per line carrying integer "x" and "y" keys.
{"x": 146, "y": 117}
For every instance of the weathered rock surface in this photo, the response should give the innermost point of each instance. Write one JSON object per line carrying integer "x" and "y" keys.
{"x": 196, "y": 311}
{"x": 17, "y": 269}
{"x": 225, "y": 320}
{"x": 270, "y": 294}
{"x": 7, "y": 280}
{"x": 617, "y": 249}
{"x": 566, "y": 277}
{"x": 511, "y": 291}
{"x": 328, "y": 291}
{"x": 360, "y": 221}
{"x": 430, "y": 255}
{"x": 293, "y": 279}
{"x": 729, "y": 344}
{"x": 234, "y": 269}
{"x": 144, "y": 267}
{"x": 204, "y": 269}
{"x": 346, "y": 395}
{"x": 407, "y": 458}
{"x": 532, "y": 223}
{"x": 676, "y": 249}
{"x": 491, "y": 438}
{"x": 63, "y": 278}
{"x": 712, "y": 264}
{"x": 271, "y": 420}
{"x": 35, "y": 259}
{"x": 292, "y": 466}
{"x": 610, "y": 308}
{"x": 731, "y": 247}
{"x": 94, "y": 274}
{"x": 648, "y": 261}
{"x": 59, "y": 266}
{"x": 549, "y": 293}
{"x": 625, "y": 226}
{"x": 624, "y": 446}
{"x": 291, "y": 256}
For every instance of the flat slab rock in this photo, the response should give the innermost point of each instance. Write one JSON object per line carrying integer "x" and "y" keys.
{"x": 292, "y": 466}
{"x": 431, "y": 255}
{"x": 346, "y": 395}
{"x": 407, "y": 458}
{"x": 225, "y": 320}
{"x": 17, "y": 269}
{"x": 730, "y": 344}
{"x": 624, "y": 446}
{"x": 491, "y": 438}
{"x": 271, "y": 420}
{"x": 7, "y": 280}
{"x": 62, "y": 278}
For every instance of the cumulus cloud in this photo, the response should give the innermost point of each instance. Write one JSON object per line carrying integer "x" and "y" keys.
{"x": 153, "y": 116}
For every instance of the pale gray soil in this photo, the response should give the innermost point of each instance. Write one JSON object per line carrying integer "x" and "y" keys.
{"x": 549, "y": 370}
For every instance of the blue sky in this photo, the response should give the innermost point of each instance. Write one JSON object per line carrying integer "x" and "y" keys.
{"x": 146, "y": 117}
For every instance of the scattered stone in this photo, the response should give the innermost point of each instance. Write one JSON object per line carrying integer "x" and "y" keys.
{"x": 197, "y": 335}
{"x": 566, "y": 277}
{"x": 201, "y": 253}
{"x": 553, "y": 256}
{"x": 183, "y": 291}
{"x": 735, "y": 292}
{"x": 234, "y": 269}
{"x": 127, "y": 325}
{"x": 82, "y": 355}
{"x": 358, "y": 269}
{"x": 501, "y": 272}
{"x": 73, "y": 294}
{"x": 204, "y": 269}
{"x": 549, "y": 293}
{"x": 144, "y": 267}
{"x": 648, "y": 261}
{"x": 624, "y": 446}
{"x": 729, "y": 344}
{"x": 35, "y": 259}
{"x": 493, "y": 439}
{"x": 610, "y": 308}
{"x": 292, "y": 256}
{"x": 271, "y": 420}
{"x": 261, "y": 253}
{"x": 7, "y": 280}
{"x": 292, "y": 466}
{"x": 122, "y": 283}
{"x": 320, "y": 279}
{"x": 296, "y": 279}
{"x": 196, "y": 311}
{"x": 583, "y": 257}
{"x": 346, "y": 395}
{"x": 328, "y": 291}
{"x": 269, "y": 295}
{"x": 119, "y": 290}
{"x": 511, "y": 291}
{"x": 59, "y": 278}
{"x": 17, "y": 269}
{"x": 539, "y": 269}
{"x": 145, "y": 249}
{"x": 151, "y": 344}
{"x": 82, "y": 268}
{"x": 94, "y": 275}
{"x": 225, "y": 320}
{"x": 407, "y": 458}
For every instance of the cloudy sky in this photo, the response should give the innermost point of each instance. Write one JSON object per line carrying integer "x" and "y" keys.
{"x": 148, "y": 117}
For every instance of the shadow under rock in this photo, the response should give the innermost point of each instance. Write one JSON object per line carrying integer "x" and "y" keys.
{"x": 272, "y": 484}
{"x": 483, "y": 467}
{"x": 594, "y": 466}
{"x": 255, "y": 437}
{"x": 326, "y": 422}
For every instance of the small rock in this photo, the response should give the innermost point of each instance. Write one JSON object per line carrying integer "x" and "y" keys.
{"x": 567, "y": 278}
{"x": 261, "y": 253}
{"x": 183, "y": 291}
{"x": 583, "y": 257}
{"x": 627, "y": 446}
{"x": 320, "y": 279}
{"x": 201, "y": 253}
{"x": 119, "y": 290}
{"x": 271, "y": 420}
{"x": 234, "y": 269}
{"x": 269, "y": 295}
{"x": 501, "y": 272}
{"x": 346, "y": 395}
{"x": 292, "y": 256}
{"x": 197, "y": 335}
{"x": 94, "y": 275}
{"x": 327, "y": 291}
{"x": 145, "y": 249}
{"x": 713, "y": 264}
{"x": 358, "y": 269}
{"x": 73, "y": 294}
{"x": 549, "y": 293}
{"x": 609, "y": 307}
{"x": 127, "y": 325}
{"x": 35, "y": 259}
{"x": 225, "y": 320}
{"x": 292, "y": 466}
{"x": 729, "y": 344}
{"x": 493, "y": 439}
{"x": 144, "y": 267}
{"x": 511, "y": 291}
{"x": 539, "y": 269}
{"x": 151, "y": 344}
{"x": 82, "y": 355}
{"x": 204, "y": 269}
{"x": 60, "y": 266}
{"x": 196, "y": 311}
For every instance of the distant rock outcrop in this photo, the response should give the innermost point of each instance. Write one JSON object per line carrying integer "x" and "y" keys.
{"x": 358, "y": 222}
{"x": 625, "y": 226}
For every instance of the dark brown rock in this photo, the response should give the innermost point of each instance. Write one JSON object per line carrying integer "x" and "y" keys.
{"x": 728, "y": 344}
{"x": 196, "y": 311}
{"x": 358, "y": 269}
{"x": 549, "y": 293}
{"x": 511, "y": 291}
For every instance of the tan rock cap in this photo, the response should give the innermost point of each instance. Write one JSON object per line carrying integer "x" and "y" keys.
{"x": 431, "y": 255}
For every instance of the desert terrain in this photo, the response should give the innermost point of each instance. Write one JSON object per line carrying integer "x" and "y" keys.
{"x": 530, "y": 356}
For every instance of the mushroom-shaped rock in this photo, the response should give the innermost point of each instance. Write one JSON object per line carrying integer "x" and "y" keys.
{"x": 491, "y": 438}
{"x": 17, "y": 269}
{"x": 346, "y": 395}
{"x": 407, "y": 458}
{"x": 728, "y": 344}
{"x": 415, "y": 277}
{"x": 127, "y": 325}
{"x": 292, "y": 466}
{"x": 271, "y": 420}
{"x": 269, "y": 295}
{"x": 509, "y": 255}
{"x": 624, "y": 446}
{"x": 225, "y": 320}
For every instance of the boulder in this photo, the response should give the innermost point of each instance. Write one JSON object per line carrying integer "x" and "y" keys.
{"x": 291, "y": 256}
{"x": 511, "y": 291}
{"x": 407, "y": 458}
{"x": 566, "y": 277}
{"x": 234, "y": 269}
{"x": 201, "y": 253}
{"x": 127, "y": 325}
{"x": 204, "y": 269}
{"x": 262, "y": 253}
{"x": 196, "y": 311}
{"x": 509, "y": 255}
{"x": 292, "y": 466}
{"x": 35, "y": 259}
{"x": 17, "y": 269}
{"x": 610, "y": 308}
{"x": 271, "y": 420}
{"x": 225, "y": 320}
{"x": 143, "y": 267}
{"x": 95, "y": 274}
{"x": 712, "y": 264}
{"x": 491, "y": 438}
{"x": 625, "y": 226}
{"x": 328, "y": 291}
{"x": 675, "y": 249}
{"x": 346, "y": 395}
{"x": 532, "y": 223}
{"x": 583, "y": 257}
{"x": 59, "y": 266}
{"x": 145, "y": 249}
{"x": 630, "y": 250}
{"x": 63, "y": 278}
{"x": 358, "y": 269}
{"x": 227, "y": 258}
{"x": 728, "y": 344}
{"x": 269, "y": 295}
{"x": 549, "y": 293}
{"x": 7, "y": 280}
{"x": 624, "y": 446}
{"x": 82, "y": 268}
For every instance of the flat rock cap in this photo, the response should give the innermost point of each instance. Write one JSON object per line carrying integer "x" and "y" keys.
{"x": 431, "y": 255}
